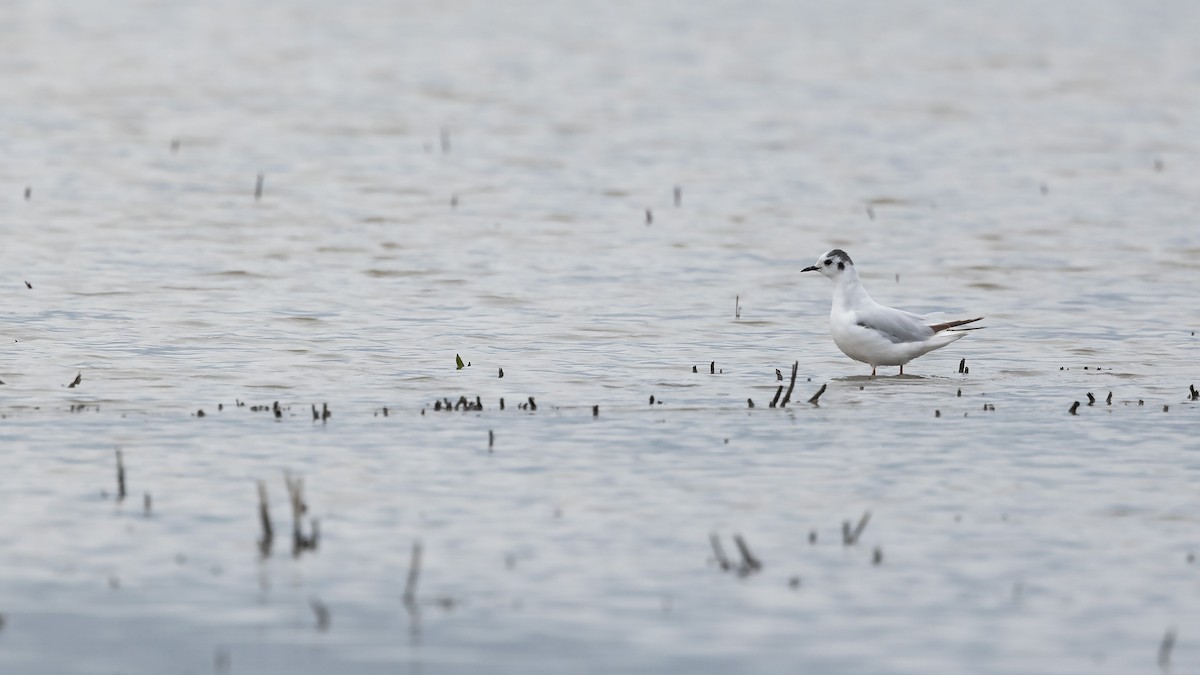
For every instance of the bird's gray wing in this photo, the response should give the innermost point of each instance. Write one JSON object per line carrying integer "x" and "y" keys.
{"x": 893, "y": 324}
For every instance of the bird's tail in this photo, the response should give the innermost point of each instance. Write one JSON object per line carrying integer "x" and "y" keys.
{"x": 939, "y": 327}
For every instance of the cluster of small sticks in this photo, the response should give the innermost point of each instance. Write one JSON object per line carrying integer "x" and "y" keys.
{"x": 787, "y": 397}
{"x": 1192, "y": 395}
{"x": 750, "y": 564}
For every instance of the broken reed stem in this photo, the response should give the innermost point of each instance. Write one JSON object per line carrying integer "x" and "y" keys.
{"x": 719, "y": 552}
{"x": 778, "y": 393}
{"x": 791, "y": 385}
{"x": 264, "y": 516}
{"x": 817, "y": 396}
{"x": 295, "y": 488}
{"x": 850, "y": 537}
{"x": 414, "y": 573}
{"x": 749, "y": 562}
{"x": 120, "y": 477}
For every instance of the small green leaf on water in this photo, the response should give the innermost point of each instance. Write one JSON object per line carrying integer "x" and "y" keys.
{"x": 458, "y": 360}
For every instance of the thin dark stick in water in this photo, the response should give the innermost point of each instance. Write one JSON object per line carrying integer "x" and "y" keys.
{"x": 317, "y": 415}
{"x": 491, "y": 439}
{"x": 258, "y": 187}
{"x": 120, "y": 476}
{"x": 264, "y": 515}
{"x": 750, "y": 564}
{"x": 750, "y": 401}
{"x": 1074, "y": 407}
{"x": 414, "y": 574}
{"x": 718, "y": 552}
{"x": 1108, "y": 400}
{"x": 1091, "y": 399}
{"x": 532, "y": 405}
{"x": 778, "y": 375}
{"x": 595, "y": 411}
{"x": 817, "y": 396}
{"x": 325, "y": 414}
{"x": 791, "y": 385}
{"x": 649, "y": 217}
{"x": 962, "y": 366}
{"x": 712, "y": 368}
{"x": 76, "y": 381}
{"x": 778, "y": 393}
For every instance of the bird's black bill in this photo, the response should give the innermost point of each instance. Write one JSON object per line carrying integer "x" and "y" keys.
{"x": 810, "y": 268}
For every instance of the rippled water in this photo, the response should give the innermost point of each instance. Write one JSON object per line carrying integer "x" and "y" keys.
{"x": 495, "y": 180}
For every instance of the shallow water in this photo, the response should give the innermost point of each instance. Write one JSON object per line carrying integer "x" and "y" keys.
{"x": 474, "y": 178}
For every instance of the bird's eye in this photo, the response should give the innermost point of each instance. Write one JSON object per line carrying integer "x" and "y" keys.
{"x": 828, "y": 261}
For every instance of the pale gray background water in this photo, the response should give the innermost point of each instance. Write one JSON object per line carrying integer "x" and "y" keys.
{"x": 1033, "y": 162}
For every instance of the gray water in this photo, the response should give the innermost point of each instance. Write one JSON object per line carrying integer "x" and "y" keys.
{"x": 472, "y": 178}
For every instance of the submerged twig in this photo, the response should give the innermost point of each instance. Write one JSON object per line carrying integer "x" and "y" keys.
{"x": 1164, "y": 649}
{"x": 322, "y": 613}
{"x": 414, "y": 574}
{"x": 817, "y": 396}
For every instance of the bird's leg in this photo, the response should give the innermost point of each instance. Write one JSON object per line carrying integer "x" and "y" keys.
{"x": 902, "y": 369}
{"x": 872, "y": 371}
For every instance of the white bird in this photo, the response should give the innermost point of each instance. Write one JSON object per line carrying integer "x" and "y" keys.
{"x": 869, "y": 332}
